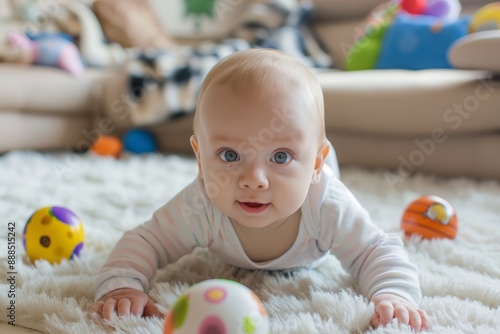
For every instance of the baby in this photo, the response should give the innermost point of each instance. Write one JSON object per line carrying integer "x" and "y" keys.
{"x": 267, "y": 197}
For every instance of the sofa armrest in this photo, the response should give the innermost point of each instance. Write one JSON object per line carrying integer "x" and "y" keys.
{"x": 477, "y": 51}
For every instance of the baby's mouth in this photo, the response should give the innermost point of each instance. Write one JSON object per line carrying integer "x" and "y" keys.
{"x": 253, "y": 207}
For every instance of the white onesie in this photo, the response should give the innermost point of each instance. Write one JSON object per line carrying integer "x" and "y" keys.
{"x": 332, "y": 222}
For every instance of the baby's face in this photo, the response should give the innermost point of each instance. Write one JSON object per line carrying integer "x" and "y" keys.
{"x": 257, "y": 154}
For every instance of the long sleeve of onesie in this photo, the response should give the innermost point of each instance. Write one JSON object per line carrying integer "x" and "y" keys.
{"x": 174, "y": 230}
{"x": 375, "y": 259}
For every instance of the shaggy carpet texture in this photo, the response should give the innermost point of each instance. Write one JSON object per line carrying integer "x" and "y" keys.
{"x": 460, "y": 278}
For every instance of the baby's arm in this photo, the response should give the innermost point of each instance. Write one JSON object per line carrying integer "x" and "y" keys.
{"x": 174, "y": 231}
{"x": 123, "y": 281}
{"x": 376, "y": 260}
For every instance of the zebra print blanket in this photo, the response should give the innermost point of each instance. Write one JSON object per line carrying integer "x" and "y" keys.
{"x": 175, "y": 75}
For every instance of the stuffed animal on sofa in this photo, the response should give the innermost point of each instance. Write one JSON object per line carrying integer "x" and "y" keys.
{"x": 49, "y": 50}
{"x": 409, "y": 35}
{"x": 419, "y": 42}
{"x": 73, "y": 18}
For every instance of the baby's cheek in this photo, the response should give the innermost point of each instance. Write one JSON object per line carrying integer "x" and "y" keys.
{"x": 292, "y": 194}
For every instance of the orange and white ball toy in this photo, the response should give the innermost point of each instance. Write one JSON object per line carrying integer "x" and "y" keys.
{"x": 107, "y": 146}
{"x": 431, "y": 217}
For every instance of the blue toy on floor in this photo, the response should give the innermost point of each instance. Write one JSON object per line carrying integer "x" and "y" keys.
{"x": 139, "y": 141}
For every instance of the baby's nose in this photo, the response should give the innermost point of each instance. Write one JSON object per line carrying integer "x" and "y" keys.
{"x": 254, "y": 177}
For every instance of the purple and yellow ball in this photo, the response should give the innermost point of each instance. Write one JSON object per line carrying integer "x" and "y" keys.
{"x": 217, "y": 306}
{"x": 53, "y": 233}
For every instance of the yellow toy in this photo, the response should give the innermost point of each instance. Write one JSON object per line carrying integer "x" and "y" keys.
{"x": 486, "y": 18}
{"x": 53, "y": 233}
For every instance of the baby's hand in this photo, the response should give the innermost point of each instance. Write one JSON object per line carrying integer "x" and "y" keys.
{"x": 125, "y": 302}
{"x": 388, "y": 306}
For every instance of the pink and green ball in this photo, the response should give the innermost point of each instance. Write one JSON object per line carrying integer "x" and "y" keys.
{"x": 217, "y": 306}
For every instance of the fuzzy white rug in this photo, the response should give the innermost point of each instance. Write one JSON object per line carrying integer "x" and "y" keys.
{"x": 460, "y": 278}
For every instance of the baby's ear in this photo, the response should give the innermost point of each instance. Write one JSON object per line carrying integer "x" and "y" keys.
{"x": 320, "y": 161}
{"x": 196, "y": 148}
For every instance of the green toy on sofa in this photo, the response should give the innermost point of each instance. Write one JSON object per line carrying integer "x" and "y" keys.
{"x": 399, "y": 36}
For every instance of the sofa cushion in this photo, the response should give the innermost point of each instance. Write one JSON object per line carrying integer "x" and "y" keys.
{"x": 408, "y": 103}
{"x": 21, "y": 131}
{"x": 339, "y": 38}
{"x": 343, "y": 9}
{"x": 40, "y": 89}
{"x": 470, "y": 155}
{"x": 131, "y": 23}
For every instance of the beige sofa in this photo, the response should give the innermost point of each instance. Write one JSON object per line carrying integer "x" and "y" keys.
{"x": 439, "y": 121}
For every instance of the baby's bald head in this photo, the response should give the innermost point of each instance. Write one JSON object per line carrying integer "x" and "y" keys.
{"x": 265, "y": 71}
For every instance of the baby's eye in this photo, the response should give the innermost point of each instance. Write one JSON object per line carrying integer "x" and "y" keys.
{"x": 281, "y": 157}
{"x": 229, "y": 156}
